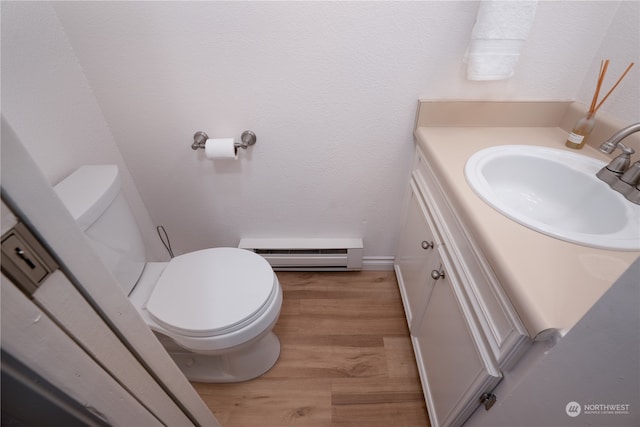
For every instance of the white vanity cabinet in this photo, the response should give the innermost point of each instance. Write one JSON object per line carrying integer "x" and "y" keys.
{"x": 463, "y": 328}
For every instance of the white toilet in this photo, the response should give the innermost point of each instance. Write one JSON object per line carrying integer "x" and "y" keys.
{"x": 213, "y": 309}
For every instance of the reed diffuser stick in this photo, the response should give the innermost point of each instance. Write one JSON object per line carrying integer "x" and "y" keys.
{"x": 614, "y": 86}
{"x": 603, "y": 71}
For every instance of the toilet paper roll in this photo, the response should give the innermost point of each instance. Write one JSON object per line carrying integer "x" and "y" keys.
{"x": 220, "y": 148}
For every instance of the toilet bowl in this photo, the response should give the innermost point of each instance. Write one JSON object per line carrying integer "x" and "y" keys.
{"x": 212, "y": 309}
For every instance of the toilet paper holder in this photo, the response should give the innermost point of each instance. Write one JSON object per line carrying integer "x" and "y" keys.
{"x": 248, "y": 138}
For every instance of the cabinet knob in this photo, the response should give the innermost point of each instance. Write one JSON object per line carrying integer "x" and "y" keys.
{"x": 426, "y": 245}
{"x": 435, "y": 274}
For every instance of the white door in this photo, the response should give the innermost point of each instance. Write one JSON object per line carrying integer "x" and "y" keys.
{"x": 32, "y": 337}
{"x": 88, "y": 305}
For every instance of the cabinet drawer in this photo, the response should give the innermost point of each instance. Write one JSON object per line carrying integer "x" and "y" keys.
{"x": 496, "y": 316}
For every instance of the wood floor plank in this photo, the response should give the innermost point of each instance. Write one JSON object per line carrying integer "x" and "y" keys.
{"x": 330, "y": 361}
{"x": 324, "y": 325}
{"x": 346, "y": 360}
{"x": 401, "y": 362}
{"x": 333, "y": 340}
{"x": 376, "y": 402}
{"x": 408, "y": 414}
{"x": 375, "y": 307}
{"x": 270, "y": 402}
{"x": 354, "y": 391}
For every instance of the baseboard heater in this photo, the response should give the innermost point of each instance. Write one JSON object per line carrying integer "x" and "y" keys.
{"x": 308, "y": 254}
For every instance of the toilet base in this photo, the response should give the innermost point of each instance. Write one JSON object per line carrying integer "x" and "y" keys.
{"x": 245, "y": 364}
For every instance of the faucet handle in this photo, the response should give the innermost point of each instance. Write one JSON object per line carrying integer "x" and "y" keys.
{"x": 633, "y": 194}
{"x": 613, "y": 171}
{"x": 628, "y": 180}
{"x": 625, "y": 149}
{"x": 632, "y": 175}
{"x": 621, "y": 163}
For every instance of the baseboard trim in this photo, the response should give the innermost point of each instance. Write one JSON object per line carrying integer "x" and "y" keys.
{"x": 377, "y": 263}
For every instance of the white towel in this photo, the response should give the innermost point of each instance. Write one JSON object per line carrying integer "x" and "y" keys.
{"x": 498, "y": 35}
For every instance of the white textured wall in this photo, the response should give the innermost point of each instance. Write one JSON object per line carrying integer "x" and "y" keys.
{"x": 330, "y": 88}
{"x": 48, "y": 102}
{"x": 621, "y": 44}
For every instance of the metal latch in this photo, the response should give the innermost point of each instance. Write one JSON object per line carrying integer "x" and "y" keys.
{"x": 488, "y": 399}
{"x": 24, "y": 259}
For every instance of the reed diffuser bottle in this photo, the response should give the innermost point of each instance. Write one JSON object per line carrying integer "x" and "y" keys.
{"x": 581, "y": 131}
{"x": 583, "y": 127}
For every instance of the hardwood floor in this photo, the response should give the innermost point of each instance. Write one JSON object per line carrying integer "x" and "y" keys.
{"x": 346, "y": 360}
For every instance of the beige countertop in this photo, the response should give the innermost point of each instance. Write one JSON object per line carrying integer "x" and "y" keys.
{"x": 551, "y": 283}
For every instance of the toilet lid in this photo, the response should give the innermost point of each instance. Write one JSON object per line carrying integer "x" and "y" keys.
{"x": 212, "y": 291}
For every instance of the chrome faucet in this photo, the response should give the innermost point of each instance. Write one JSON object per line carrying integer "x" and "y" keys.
{"x": 610, "y": 144}
{"x": 618, "y": 174}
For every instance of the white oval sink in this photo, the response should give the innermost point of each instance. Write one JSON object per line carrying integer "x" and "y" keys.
{"x": 555, "y": 192}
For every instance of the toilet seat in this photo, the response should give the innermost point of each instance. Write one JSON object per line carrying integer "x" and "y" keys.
{"x": 212, "y": 292}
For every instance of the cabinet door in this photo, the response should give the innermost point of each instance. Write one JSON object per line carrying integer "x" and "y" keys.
{"x": 415, "y": 258}
{"x": 451, "y": 357}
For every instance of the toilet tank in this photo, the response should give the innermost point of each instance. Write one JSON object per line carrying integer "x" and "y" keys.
{"x": 93, "y": 196}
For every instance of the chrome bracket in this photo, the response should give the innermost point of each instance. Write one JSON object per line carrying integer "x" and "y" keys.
{"x": 247, "y": 139}
{"x": 199, "y": 140}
